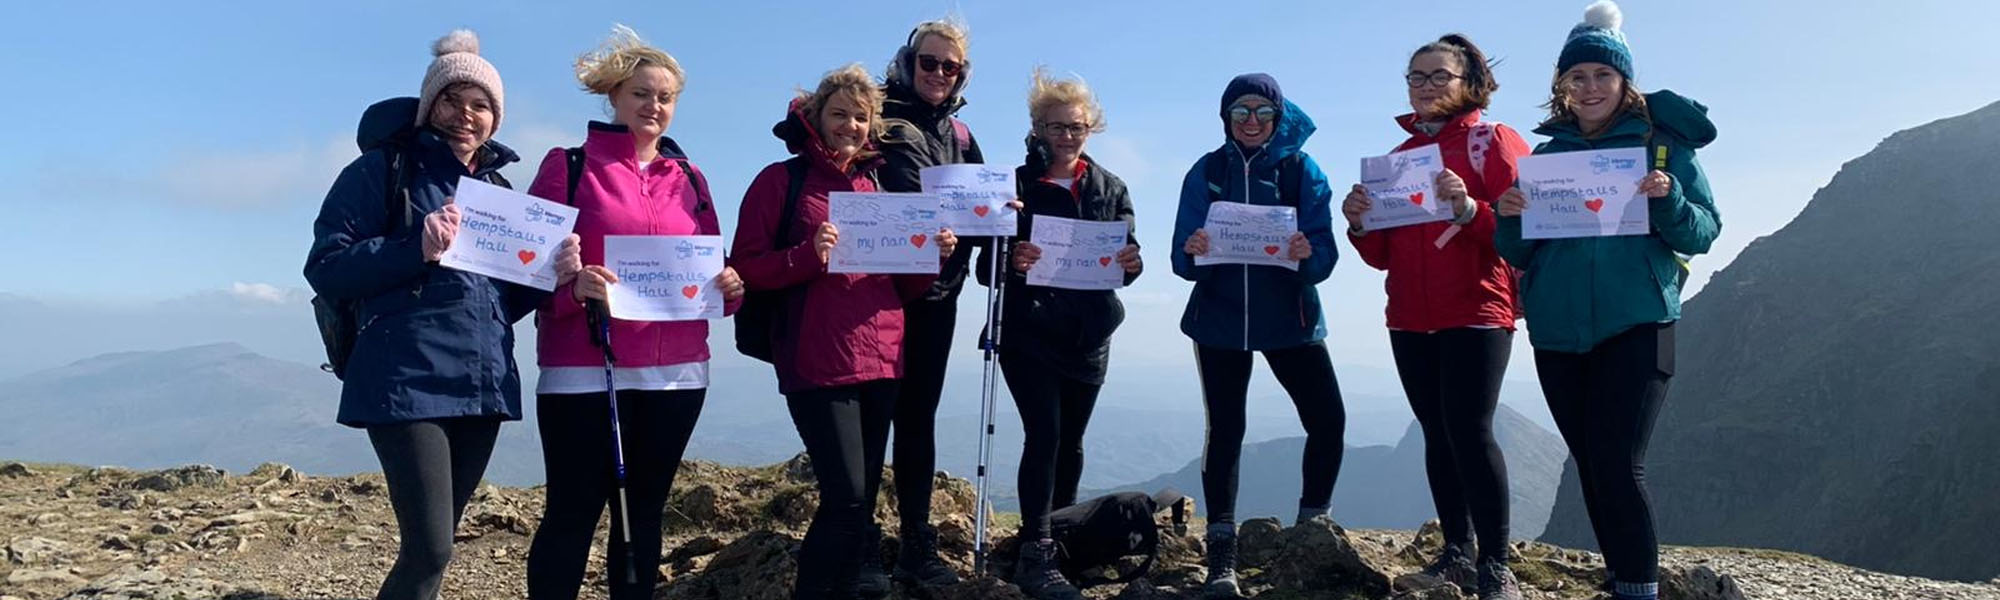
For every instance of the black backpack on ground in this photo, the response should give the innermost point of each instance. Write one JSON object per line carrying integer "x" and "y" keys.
{"x": 339, "y": 320}
{"x": 1101, "y": 532}
{"x": 762, "y": 314}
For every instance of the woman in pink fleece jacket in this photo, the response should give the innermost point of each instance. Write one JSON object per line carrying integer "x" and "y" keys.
{"x": 633, "y": 181}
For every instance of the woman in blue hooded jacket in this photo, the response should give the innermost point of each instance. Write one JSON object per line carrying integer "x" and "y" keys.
{"x": 432, "y": 372}
{"x": 1239, "y": 309}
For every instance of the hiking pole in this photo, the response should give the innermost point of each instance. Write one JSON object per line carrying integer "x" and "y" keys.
{"x": 600, "y": 335}
{"x": 989, "y": 345}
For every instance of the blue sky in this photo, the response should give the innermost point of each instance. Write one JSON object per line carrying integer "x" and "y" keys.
{"x": 152, "y": 151}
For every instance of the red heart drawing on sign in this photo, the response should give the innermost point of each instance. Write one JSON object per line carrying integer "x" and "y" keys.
{"x": 1271, "y": 250}
{"x": 1417, "y": 198}
{"x": 1104, "y": 261}
{"x": 917, "y": 239}
{"x": 690, "y": 291}
{"x": 981, "y": 210}
{"x": 1594, "y": 204}
{"x": 526, "y": 256}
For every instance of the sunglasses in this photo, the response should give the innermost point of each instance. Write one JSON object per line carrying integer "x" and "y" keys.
{"x": 932, "y": 64}
{"x": 1242, "y": 114}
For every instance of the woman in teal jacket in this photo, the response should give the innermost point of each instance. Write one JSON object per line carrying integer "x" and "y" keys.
{"x": 1601, "y": 310}
{"x": 1238, "y": 309}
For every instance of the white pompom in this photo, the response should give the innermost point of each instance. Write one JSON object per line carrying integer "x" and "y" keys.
{"x": 1603, "y": 14}
{"x": 462, "y": 40}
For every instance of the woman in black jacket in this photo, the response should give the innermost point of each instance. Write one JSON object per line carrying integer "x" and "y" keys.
{"x": 1057, "y": 342}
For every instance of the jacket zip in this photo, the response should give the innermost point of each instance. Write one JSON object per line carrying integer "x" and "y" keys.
{"x": 1246, "y": 268}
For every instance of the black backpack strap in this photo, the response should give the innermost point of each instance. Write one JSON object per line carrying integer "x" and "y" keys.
{"x": 1215, "y": 172}
{"x": 575, "y": 156}
{"x": 700, "y": 185}
{"x": 396, "y": 196}
{"x": 1290, "y": 173}
{"x": 795, "y": 171}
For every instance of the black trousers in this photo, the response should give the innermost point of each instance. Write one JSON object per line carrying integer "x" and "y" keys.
{"x": 1055, "y": 411}
{"x": 1306, "y": 372}
{"x": 1452, "y": 379}
{"x": 432, "y": 468}
{"x": 577, "y": 460}
{"x": 1605, "y": 402}
{"x": 845, "y": 430}
{"x": 927, "y": 335}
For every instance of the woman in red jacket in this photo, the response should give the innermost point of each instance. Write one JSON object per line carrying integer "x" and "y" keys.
{"x": 1451, "y": 306}
{"x": 838, "y": 341}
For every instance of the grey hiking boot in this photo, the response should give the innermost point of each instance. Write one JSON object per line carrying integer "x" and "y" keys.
{"x": 918, "y": 565}
{"x": 1496, "y": 581}
{"x": 1039, "y": 575}
{"x": 1221, "y": 562}
{"x": 1453, "y": 566}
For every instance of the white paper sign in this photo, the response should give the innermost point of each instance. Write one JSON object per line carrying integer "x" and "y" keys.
{"x": 1077, "y": 254}
{"x": 665, "y": 277}
{"x": 507, "y": 235}
{"x": 884, "y": 233}
{"x": 1590, "y": 193}
{"x": 1400, "y": 186}
{"x": 1249, "y": 234}
{"x": 974, "y": 198}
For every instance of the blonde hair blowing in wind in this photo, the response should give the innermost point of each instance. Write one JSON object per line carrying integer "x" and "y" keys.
{"x": 854, "y": 81}
{"x": 619, "y": 57}
{"x": 1047, "y": 93}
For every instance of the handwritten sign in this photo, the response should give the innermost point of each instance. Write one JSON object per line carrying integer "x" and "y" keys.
{"x": 665, "y": 277}
{"x": 507, "y": 235}
{"x": 1401, "y": 187}
{"x": 974, "y": 198}
{"x": 1077, "y": 254}
{"x": 1248, "y": 234}
{"x": 1591, "y": 193}
{"x": 884, "y": 233}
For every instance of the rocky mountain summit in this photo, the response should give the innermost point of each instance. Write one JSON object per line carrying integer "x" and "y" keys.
{"x": 195, "y": 532}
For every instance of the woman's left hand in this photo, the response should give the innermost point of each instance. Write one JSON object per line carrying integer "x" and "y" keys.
{"x": 1451, "y": 191}
{"x": 730, "y": 284}
{"x": 946, "y": 242}
{"x": 1656, "y": 184}
{"x": 1299, "y": 248}
{"x": 569, "y": 259}
{"x": 1129, "y": 258}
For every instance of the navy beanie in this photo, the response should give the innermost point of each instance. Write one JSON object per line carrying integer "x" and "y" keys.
{"x": 1252, "y": 83}
{"x": 1597, "y": 39}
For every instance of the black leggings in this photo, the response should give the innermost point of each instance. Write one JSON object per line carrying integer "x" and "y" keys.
{"x": 1055, "y": 410}
{"x": 845, "y": 430}
{"x": 1605, "y": 402}
{"x": 1306, "y": 373}
{"x": 1452, "y": 379}
{"x": 926, "y": 349}
{"x": 576, "y": 456}
{"x": 432, "y": 468}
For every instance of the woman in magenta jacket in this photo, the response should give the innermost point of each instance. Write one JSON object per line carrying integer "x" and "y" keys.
{"x": 632, "y": 181}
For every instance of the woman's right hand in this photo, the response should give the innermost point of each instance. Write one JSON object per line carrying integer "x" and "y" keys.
{"x": 824, "y": 241}
{"x": 1511, "y": 203}
{"x": 1197, "y": 243}
{"x": 1355, "y": 205}
{"x": 1025, "y": 255}
{"x": 593, "y": 283}
{"x": 440, "y": 228}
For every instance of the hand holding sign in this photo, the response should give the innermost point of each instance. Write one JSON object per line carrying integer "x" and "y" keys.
{"x": 974, "y": 199}
{"x": 1588, "y": 193}
{"x": 886, "y": 234}
{"x": 1248, "y": 234}
{"x": 1079, "y": 255}
{"x": 1402, "y": 188}
{"x": 665, "y": 277}
{"x": 506, "y": 235}
{"x": 440, "y": 228}
{"x": 1657, "y": 184}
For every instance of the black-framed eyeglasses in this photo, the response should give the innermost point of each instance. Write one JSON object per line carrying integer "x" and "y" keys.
{"x": 1241, "y": 113}
{"x": 1438, "y": 78}
{"x": 929, "y": 64}
{"x": 1052, "y": 129}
